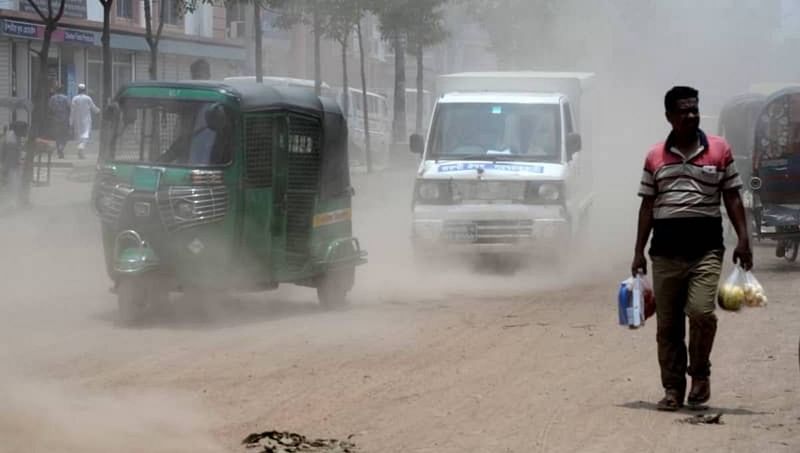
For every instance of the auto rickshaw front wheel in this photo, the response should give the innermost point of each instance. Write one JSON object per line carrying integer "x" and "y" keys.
{"x": 136, "y": 295}
{"x": 333, "y": 286}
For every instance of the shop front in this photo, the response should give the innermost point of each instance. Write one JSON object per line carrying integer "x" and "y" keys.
{"x": 75, "y": 57}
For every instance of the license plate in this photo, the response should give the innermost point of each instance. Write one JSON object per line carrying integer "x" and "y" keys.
{"x": 768, "y": 229}
{"x": 462, "y": 233}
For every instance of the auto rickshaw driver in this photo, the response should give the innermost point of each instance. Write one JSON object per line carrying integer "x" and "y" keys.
{"x": 205, "y": 139}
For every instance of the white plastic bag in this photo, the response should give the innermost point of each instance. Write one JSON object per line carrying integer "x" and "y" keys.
{"x": 635, "y": 301}
{"x": 741, "y": 288}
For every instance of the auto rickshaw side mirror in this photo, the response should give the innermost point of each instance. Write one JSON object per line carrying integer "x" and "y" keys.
{"x": 574, "y": 143}
{"x": 416, "y": 143}
{"x": 216, "y": 117}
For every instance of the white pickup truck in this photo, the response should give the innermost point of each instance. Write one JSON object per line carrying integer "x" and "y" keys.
{"x": 504, "y": 166}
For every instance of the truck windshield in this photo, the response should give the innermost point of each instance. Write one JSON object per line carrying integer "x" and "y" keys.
{"x": 169, "y": 133}
{"x": 491, "y": 131}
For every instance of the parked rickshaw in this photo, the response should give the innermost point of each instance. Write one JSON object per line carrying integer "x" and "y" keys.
{"x": 224, "y": 185}
{"x": 737, "y": 122}
{"x": 775, "y": 179}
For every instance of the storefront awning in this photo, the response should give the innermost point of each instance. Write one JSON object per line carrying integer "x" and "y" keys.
{"x": 175, "y": 47}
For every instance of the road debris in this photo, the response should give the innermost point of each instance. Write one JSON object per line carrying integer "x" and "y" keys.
{"x": 511, "y": 326}
{"x": 703, "y": 419}
{"x": 286, "y": 442}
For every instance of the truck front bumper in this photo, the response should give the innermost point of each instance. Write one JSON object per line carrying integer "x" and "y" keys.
{"x": 504, "y": 229}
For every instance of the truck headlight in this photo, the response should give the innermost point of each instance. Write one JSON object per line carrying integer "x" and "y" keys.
{"x": 549, "y": 192}
{"x": 429, "y": 191}
{"x": 544, "y": 193}
{"x": 433, "y": 192}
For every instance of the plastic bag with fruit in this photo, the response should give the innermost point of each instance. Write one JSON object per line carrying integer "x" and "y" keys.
{"x": 635, "y": 301}
{"x": 741, "y": 288}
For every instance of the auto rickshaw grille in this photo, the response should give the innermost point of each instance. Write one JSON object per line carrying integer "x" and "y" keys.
{"x": 187, "y": 206}
{"x": 258, "y": 130}
{"x": 305, "y": 135}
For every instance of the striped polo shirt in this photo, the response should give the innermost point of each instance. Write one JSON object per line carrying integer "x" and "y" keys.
{"x": 688, "y": 192}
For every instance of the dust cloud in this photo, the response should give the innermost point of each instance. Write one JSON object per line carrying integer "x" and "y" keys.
{"x": 54, "y": 283}
{"x": 39, "y": 417}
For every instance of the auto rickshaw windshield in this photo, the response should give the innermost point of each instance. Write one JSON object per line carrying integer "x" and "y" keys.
{"x": 168, "y": 132}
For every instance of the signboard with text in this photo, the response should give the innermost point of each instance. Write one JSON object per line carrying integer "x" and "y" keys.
{"x": 19, "y": 29}
{"x": 22, "y": 29}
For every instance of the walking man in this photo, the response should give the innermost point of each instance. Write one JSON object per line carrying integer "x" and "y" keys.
{"x": 683, "y": 182}
{"x": 59, "y": 106}
{"x": 81, "y": 118}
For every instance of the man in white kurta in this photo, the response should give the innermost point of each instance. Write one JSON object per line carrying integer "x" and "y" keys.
{"x": 81, "y": 117}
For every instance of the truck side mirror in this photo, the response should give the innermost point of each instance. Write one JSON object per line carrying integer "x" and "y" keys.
{"x": 574, "y": 143}
{"x": 416, "y": 143}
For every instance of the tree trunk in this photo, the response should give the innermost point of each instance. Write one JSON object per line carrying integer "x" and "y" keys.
{"x": 37, "y": 126}
{"x": 367, "y": 151}
{"x": 420, "y": 87}
{"x": 153, "y": 70}
{"x": 345, "y": 84}
{"x": 151, "y": 41}
{"x": 107, "y": 62}
{"x": 399, "y": 120}
{"x": 106, "y": 91}
{"x": 259, "y": 37}
{"x": 317, "y": 57}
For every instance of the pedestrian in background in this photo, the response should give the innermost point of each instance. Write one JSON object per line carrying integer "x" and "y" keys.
{"x": 59, "y": 109}
{"x": 81, "y": 118}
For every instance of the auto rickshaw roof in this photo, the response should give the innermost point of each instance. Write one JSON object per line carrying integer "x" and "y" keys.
{"x": 252, "y": 95}
{"x": 742, "y": 102}
{"x": 783, "y": 92}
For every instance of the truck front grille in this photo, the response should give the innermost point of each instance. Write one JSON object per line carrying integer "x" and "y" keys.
{"x": 488, "y": 231}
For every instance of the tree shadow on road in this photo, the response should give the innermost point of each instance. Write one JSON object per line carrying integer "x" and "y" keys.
{"x": 647, "y": 405}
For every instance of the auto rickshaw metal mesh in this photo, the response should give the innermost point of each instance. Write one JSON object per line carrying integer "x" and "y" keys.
{"x": 258, "y": 132}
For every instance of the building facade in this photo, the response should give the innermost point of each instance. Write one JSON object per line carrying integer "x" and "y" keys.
{"x": 75, "y": 54}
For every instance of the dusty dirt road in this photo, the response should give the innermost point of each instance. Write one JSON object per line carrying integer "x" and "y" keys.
{"x": 451, "y": 362}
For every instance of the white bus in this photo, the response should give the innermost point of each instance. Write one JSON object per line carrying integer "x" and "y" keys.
{"x": 379, "y": 125}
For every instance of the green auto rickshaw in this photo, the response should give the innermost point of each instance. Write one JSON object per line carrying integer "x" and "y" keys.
{"x": 224, "y": 185}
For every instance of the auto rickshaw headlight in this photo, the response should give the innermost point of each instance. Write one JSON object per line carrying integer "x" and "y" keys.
{"x": 184, "y": 210}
